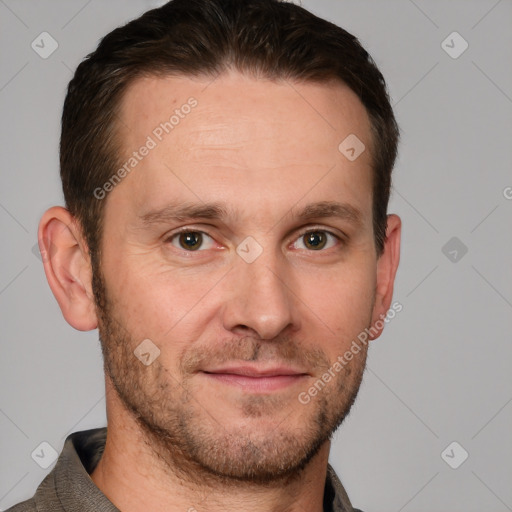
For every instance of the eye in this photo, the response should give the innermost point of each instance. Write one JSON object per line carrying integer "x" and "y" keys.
{"x": 316, "y": 240}
{"x": 191, "y": 240}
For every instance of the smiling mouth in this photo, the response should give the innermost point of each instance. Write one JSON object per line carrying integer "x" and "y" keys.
{"x": 256, "y": 380}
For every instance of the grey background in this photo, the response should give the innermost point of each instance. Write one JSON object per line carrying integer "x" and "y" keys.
{"x": 440, "y": 372}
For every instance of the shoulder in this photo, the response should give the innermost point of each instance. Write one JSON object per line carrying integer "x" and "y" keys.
{"x": 44, "y": 499}
{"x": 24, "y": 506}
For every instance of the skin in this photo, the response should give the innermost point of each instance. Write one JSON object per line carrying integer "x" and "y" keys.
{"x": 179, "y": 437}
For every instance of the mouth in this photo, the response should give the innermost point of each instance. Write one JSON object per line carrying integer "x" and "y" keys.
{"x": 256, "y": 379}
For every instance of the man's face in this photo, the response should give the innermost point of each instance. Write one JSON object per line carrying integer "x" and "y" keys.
{"x": 251, "y": 297}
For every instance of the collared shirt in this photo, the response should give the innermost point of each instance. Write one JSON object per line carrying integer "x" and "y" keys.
{"x": 69, "y": 488}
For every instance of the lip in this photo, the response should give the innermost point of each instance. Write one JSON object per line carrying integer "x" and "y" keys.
{"x": 256, "y": 371}
{"x": 256, "y": 379}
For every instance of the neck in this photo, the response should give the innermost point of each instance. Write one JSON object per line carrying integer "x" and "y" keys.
{"x": 134, "y": 478}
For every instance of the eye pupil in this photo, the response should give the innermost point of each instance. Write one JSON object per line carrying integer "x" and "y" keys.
{"x": 315, "y": 240}
{"x": 191, "y": 240}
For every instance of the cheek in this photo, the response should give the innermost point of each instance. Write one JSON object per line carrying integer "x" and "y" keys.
{"x": 152, "y": 301}
{"x": 340, "y": 301}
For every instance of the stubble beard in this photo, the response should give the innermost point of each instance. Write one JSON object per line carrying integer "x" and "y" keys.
{"x": 189, "y": 439}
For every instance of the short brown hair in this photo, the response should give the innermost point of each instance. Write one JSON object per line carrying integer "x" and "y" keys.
{"x": 265, "y": 38}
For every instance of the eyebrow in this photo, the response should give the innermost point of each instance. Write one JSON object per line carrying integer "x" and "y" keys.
{"x": 219, "y": 211}
{"x": 325, "y": 209}
{"x": 185, "y": 211}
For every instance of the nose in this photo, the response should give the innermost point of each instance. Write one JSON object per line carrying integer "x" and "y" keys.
{"x": 261, "y": 299}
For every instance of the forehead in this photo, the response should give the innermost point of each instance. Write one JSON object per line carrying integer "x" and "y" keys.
{"x": 236, "y": 135}
{"x": 326, "y": 110}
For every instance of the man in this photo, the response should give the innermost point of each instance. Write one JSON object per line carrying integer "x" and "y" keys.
{"x": 226, "y": 167}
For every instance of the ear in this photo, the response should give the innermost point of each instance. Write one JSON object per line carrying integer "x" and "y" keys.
{"x": 67, "y": 267}
{"x": 387, "y": 265}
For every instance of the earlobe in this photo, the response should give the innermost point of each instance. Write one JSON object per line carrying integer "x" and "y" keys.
{"x": 67, "y": 267}
{"x": 387, "y": 266}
